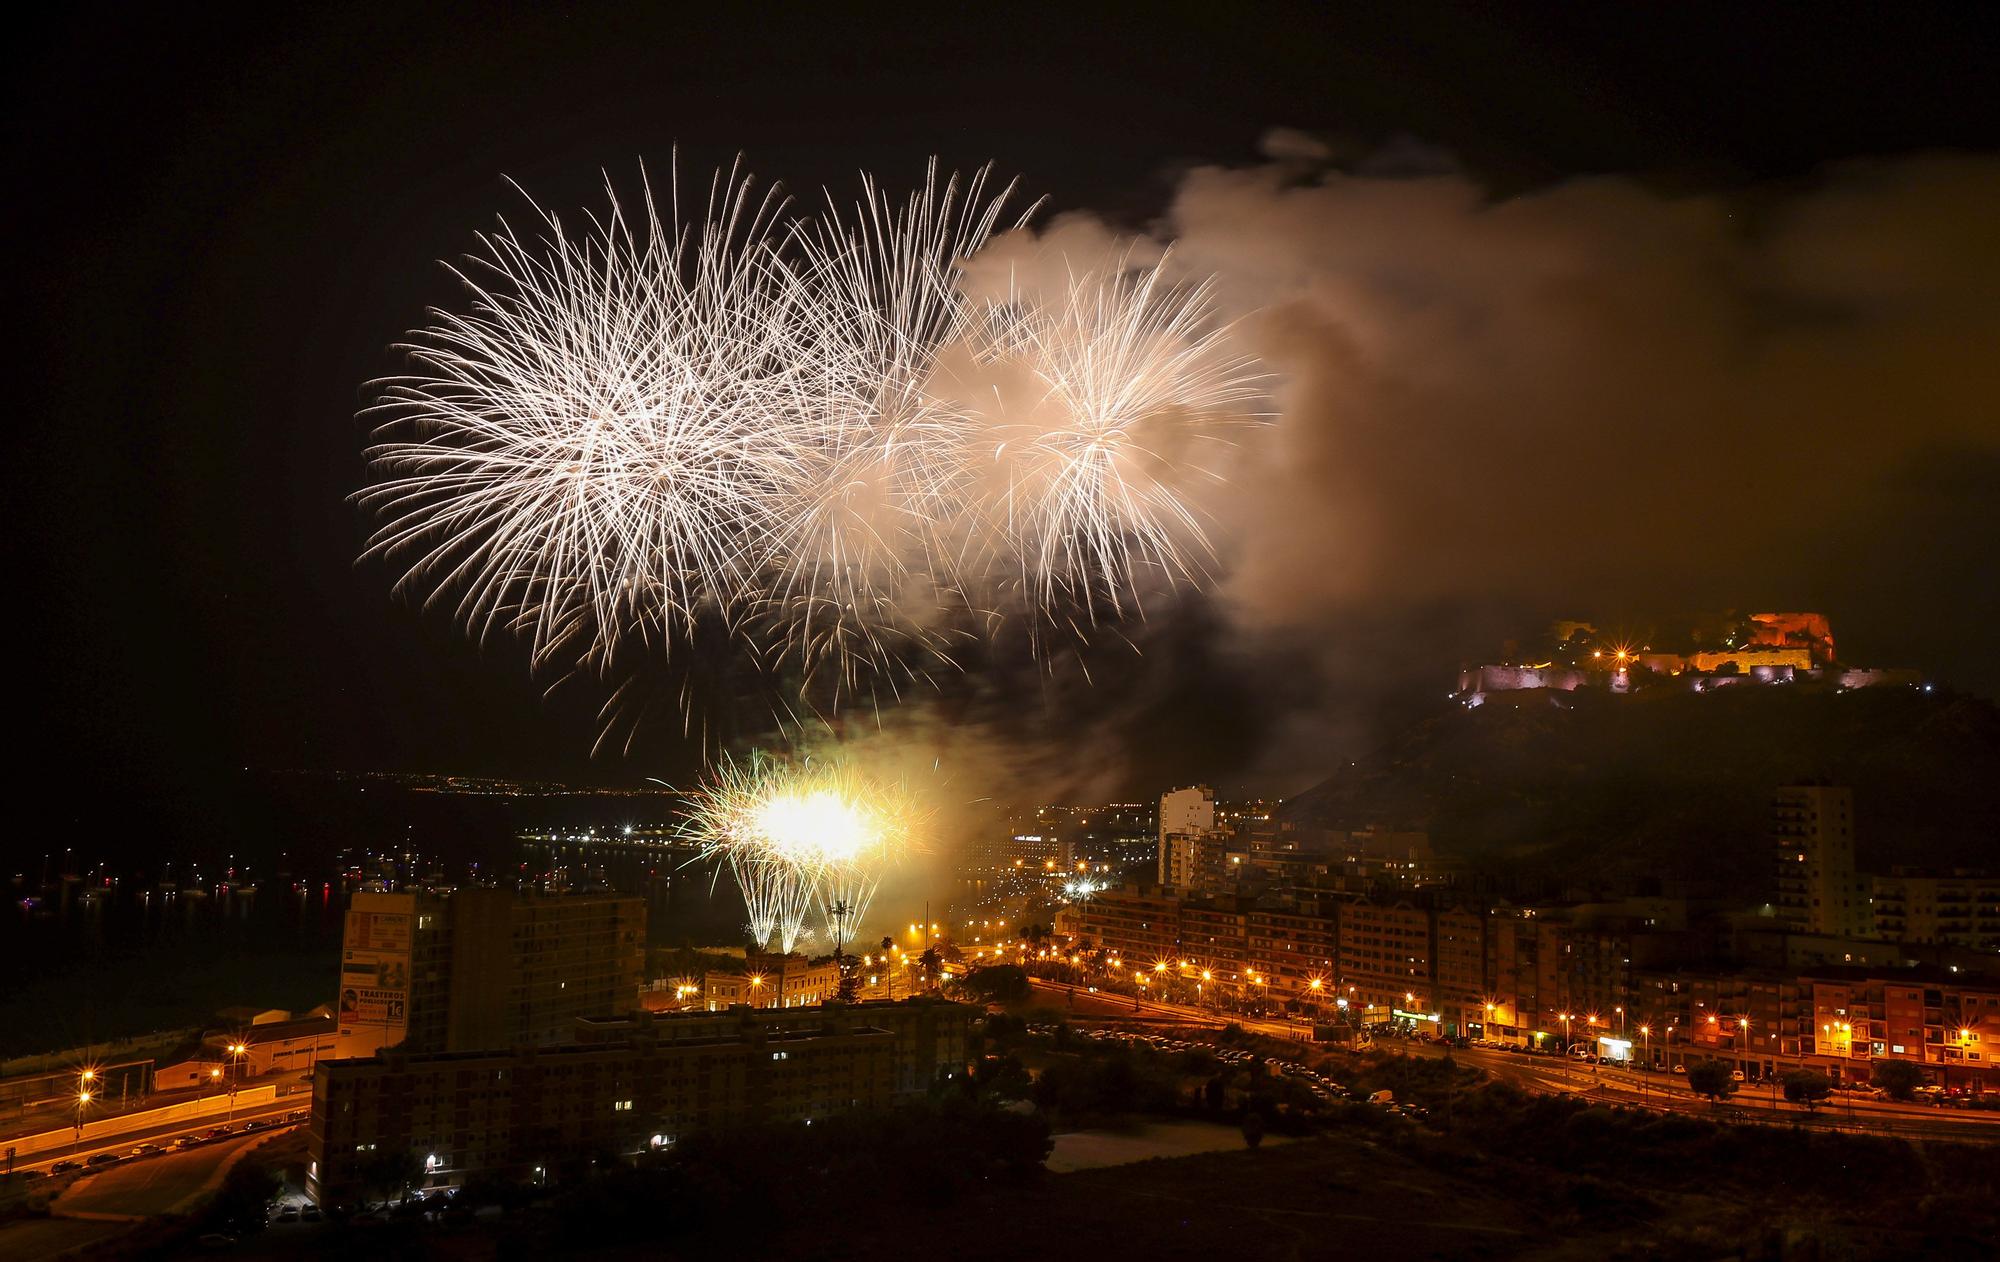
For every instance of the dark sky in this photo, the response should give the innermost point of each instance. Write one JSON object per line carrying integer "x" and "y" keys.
{"x": 222, "y": 220}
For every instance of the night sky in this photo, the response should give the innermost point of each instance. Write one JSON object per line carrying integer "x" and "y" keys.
{"x": 223, "y": 221}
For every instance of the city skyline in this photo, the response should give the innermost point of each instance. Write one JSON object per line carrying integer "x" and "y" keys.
{"x": 1273, "y": 631}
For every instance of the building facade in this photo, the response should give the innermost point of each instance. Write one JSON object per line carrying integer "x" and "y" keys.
{"x": 1812, "y": 838}
{"x": 484, "y": 968}
{"x": 1960, "y": 908}
{"x": 772, "y": 981}
{"x": 622, "y": 1087}
{"x": 1188, "y": 812}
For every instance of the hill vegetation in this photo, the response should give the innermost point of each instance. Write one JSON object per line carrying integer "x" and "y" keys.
{"x": 1678, "y": 785}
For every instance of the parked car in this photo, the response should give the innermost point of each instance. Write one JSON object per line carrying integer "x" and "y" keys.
{"x": 220, "y": 1132}
{"x": 289, "y": 1214}
{"x": 147, "y": 1150}
{"x": 102, "y": 1159}
{"x": 254, "y": 1124}
{"x": 186, "y": 1142}
{"x": 64, "y": 1167}
{"x": 309, "y": 1213}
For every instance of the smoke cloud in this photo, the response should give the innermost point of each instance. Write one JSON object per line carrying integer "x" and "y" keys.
{"x": 1592, "y": 399}
{"x": 1592, "y": 388}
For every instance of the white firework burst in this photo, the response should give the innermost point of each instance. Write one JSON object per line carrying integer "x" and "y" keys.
{"x": 811, "y": 435}
{"x": 578, "y": 456}
{"x": 864, "y": 575}
{"x": 1098, "y": 462}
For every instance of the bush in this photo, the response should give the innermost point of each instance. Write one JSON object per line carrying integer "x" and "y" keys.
{"x": 1807, "y": 1087}
{"x": 1900, "y": 1078}
{"x": 241, "y": 1206}
{"x": 723, "y": 1182}
{"x": 1715, "y": 1079}
{"x": 1000, "y": 983}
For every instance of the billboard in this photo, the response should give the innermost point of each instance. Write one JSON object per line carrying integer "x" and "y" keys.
{"x": 374, "y": 988}
{"x": 367, "y": 1005}
{"x": 378, "y": 931}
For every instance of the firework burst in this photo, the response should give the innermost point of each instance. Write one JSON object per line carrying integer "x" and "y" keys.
{"x": 799, "y": 834}
{"x": 1131, "y": 385}
{"x": 577, "y": 457}
{"x": 808, "y": 435}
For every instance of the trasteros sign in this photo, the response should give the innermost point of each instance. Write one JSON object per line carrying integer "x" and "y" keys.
{"x": 373, "y": 1002}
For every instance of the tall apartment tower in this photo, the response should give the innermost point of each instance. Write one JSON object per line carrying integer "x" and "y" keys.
{"x": 1186, "y": 815}
{"x": 1812, "y": 835}
{"x": 482, "y": 968}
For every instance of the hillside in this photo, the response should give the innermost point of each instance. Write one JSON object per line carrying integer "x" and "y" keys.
{"x": 1583, "y": 786}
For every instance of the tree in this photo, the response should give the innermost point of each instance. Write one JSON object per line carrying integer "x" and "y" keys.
{"x": 1807, "y": 1087}
{"x": 240, "y": 1207}
{"x": 1712, "y": 1078}
{"x": 995, "y": 983}
{"x": 931, "y": 963}
{"x": 1211, "y": 1093}
{"x": 1900, "y": 1078}
{"x": 1002, "y": 1077}
{"x": 391, "y": 1172}
{"x": 1253, "y": 1128}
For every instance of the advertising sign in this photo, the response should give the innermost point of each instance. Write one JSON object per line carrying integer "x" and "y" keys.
{"x": 374, "y": 988}
{"x": 378, "y": 931}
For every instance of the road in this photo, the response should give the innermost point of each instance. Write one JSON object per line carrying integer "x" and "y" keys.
{"x": 146, "y": 1186}
{"x": 162, "y": 1135}
{"x": 96, "y": 1207}
{"x": 1669, "y": 1093}
{"x": 1663, "y": 1092}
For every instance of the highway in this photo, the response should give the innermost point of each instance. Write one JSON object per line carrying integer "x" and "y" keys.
{"x": 162, "y": 1135}
{"x": 97, "y": 1206}
{"x": 147, "y": 1186}
{"x": 1550, "y": 1074}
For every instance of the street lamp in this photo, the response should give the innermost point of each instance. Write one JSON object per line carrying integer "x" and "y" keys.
{"x": 82, "y": 1098}
{"x": 1646, "y": 1060}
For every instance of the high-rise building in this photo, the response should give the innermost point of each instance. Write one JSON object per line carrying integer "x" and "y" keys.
{"x": 1957, "y": 908}
{"x": 1184, "y": 813}
{"x": 1201, "y": 863}
{"x": 1812, "y": 837}
{"x": 484, "y": 968}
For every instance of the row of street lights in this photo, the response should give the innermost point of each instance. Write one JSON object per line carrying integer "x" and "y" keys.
{"x": 86, "y": 1084}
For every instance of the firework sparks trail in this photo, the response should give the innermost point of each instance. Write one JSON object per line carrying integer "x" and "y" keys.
{"x": 798, "y": 834}
{"x": 864, "y": 566}
{"x": 814, "y": 435}
{"x": 1090, "y": 489}
{"x": 579, "y": 452}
